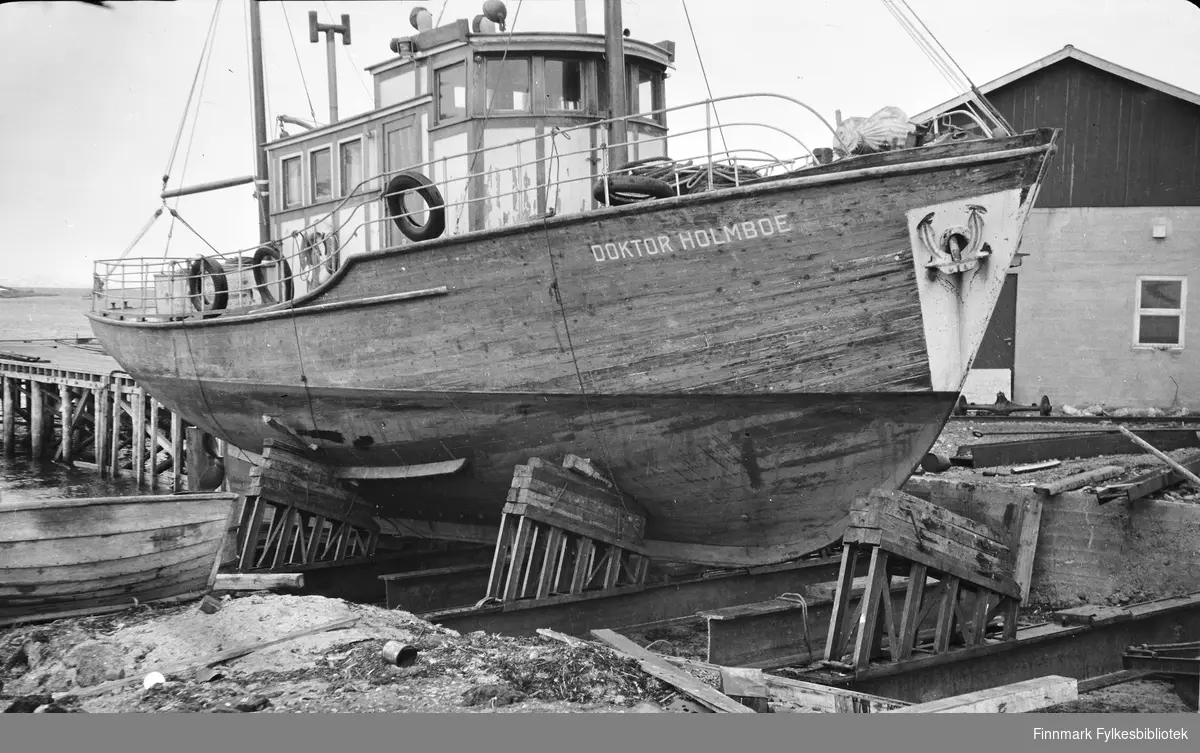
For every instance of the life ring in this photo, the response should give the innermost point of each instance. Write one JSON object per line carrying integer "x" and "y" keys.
{"x": 393, "y": 195}
{"x": 630, "y": 189}
{"x": 201, "y": 267}
{"x": 269, "y": 254}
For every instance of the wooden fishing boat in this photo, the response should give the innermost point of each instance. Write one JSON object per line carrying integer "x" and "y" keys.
{"x": 68, "y": 557}
{"x": 744, "y": 351}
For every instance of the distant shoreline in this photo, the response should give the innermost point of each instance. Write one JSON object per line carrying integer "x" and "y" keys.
{"x": 7, "y": 292}
{"x": 18, "y": 293}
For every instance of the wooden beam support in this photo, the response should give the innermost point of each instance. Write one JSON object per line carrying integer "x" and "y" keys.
{"x": 64, "y": 411}
{"x": 176, "y": 452}
{"x": 114, "y": 453}
{"x": 1017, "y": 698}
{"x": 258, "y": 581}
{"x": 37, "y": 427}
{"x": 100, "y": 406}
{"x": 153, "y": 429}
{"x": 138, "y": 433}
{"x": 10, "y": 417}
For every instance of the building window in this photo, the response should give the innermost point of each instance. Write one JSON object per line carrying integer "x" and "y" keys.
{"x": 350, "y": 163}
{"x": 291, "y": 182}
{"x": 452, "y": 92}
{"x": 322, "y": 175}
{"x": 508, "y": 85}
{"x": 1160, "y": 307}
{"x": 564, "y": 85}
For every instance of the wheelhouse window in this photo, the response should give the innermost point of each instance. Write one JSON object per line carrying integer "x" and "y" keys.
{"x": 564, "y": 85}
{"x": 1160, "y": 312}
{"x": 508, "y": 85}
{"x": 322, "y": 175}
{"x": 397, "y": 86}
{"x": 451, "y": 87}
{"x": 350, "y": 164}
{"x": 292, "y": 194}
{"x": 645, "y": 92}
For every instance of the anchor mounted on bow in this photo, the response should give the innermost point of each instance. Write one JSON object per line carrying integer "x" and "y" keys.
{"x": 960, "y": 248}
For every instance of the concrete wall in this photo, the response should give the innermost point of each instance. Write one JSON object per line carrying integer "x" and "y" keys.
{"x": 1075, "y": 307}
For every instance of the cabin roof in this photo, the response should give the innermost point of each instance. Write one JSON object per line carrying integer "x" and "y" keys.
{"x": 1072, "y": 52}
{"x": 459, "y": 33}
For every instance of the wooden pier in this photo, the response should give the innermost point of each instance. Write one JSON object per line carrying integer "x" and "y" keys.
{"x": 77, "y": 406}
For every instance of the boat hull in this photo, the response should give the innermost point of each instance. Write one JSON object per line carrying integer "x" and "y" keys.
{"x": 650, "y": 338}
{"x": 95, "y": 555}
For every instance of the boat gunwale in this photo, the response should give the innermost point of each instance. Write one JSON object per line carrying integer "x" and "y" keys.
{"x": 67, "y": 503}
{"x": 299, "y": 305}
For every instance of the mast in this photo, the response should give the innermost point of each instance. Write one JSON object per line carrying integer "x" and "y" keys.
{"x": 618, "y": 109}
{"x": 261, "y": 184}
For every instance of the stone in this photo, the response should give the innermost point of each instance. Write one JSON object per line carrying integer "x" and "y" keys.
{"x": 252, "y": 703}
{"x": 27, "y": 704}
{"x": 95, "y": 662}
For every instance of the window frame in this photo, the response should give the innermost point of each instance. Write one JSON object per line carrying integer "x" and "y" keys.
{"x": 342, "y": 191}
{"x": 1139, "y": 312}
{"x": 298, "y": 157}
{"x": 543, "y": 90}
{"x": 438, "y": 118}
{"x": 633, "y": 72}
{"x": 312, "y": 185}
{"x": 488, "y": 62}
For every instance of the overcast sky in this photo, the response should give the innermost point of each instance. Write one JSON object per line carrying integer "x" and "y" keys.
{"x": 91, "y": 99}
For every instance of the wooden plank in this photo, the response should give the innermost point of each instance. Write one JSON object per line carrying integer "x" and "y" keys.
{"x": 746, "y": 686}
{"x": 839, "y": 623}
{"x": 290, "y": 434}
{"x": 1001, "y": 583}
{"x": 1017, "y": 698}
{"x": 598, "y": 512}
{"x": 899, "y": 504}
{"x": 520, "y": 550}
{"x": 910, "y": 615}
{"x": 374, "y": 473}
{"x": 927, "y": 534}
{"x": 1034, "y": 467}
{"x": 587, "y": 468}
{"x": 823, "y": 698}
{"x": 495, "y": 586}
{"x": 1192, "y": 478}
{"x": 944, "y": 627}
{"x": 187, "y": 668}
{"x": 658, "y": 667}
{"x": 585, "y": 550}
{"x": 1078, "y": 480}
{"x": 572, "y": 524}
{"x": 1027, "y": 539}
{"x": 1150, "y": 482}
{"x": 258, "y": 581}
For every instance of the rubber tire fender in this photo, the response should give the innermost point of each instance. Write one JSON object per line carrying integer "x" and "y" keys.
{"x": 263, "y": 254}
{"x": 206, "y": 266}
{"x": 435, "y": 222}
{"x": 631, "y": 189}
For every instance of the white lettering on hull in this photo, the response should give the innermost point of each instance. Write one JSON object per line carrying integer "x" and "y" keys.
{"x": 691, "y": 239}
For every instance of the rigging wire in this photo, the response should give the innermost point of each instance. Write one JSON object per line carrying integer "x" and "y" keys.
{"x": 187, "y": 154}
{"x": 442, "y": 12}
{"x": 291, "y": 38}
{"x": 703, "y": 73}
{"x": 204, "y": 51}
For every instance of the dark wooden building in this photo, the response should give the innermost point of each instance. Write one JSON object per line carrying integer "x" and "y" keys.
{"x": 1097, "y": 312}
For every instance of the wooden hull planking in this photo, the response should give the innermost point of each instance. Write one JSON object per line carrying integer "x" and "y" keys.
{"x": 652, "y": 338}
{"x": 91, "y": 555}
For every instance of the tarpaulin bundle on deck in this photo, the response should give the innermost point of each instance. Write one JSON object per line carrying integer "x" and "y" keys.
{"x": 887, "y": 129}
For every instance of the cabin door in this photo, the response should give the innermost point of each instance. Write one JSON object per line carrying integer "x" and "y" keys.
{"x": 992, "y": 371}
{"x": 402, "y": 150}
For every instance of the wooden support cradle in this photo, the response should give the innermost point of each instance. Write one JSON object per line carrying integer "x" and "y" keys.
{"x": 982, "y": 575}
{"x": 565, "y": 531}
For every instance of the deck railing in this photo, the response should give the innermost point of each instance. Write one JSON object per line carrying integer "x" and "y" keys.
{"x": 299, "y": 263}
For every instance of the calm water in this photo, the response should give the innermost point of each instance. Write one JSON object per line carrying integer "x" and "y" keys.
{"x": 48, "y": 317}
